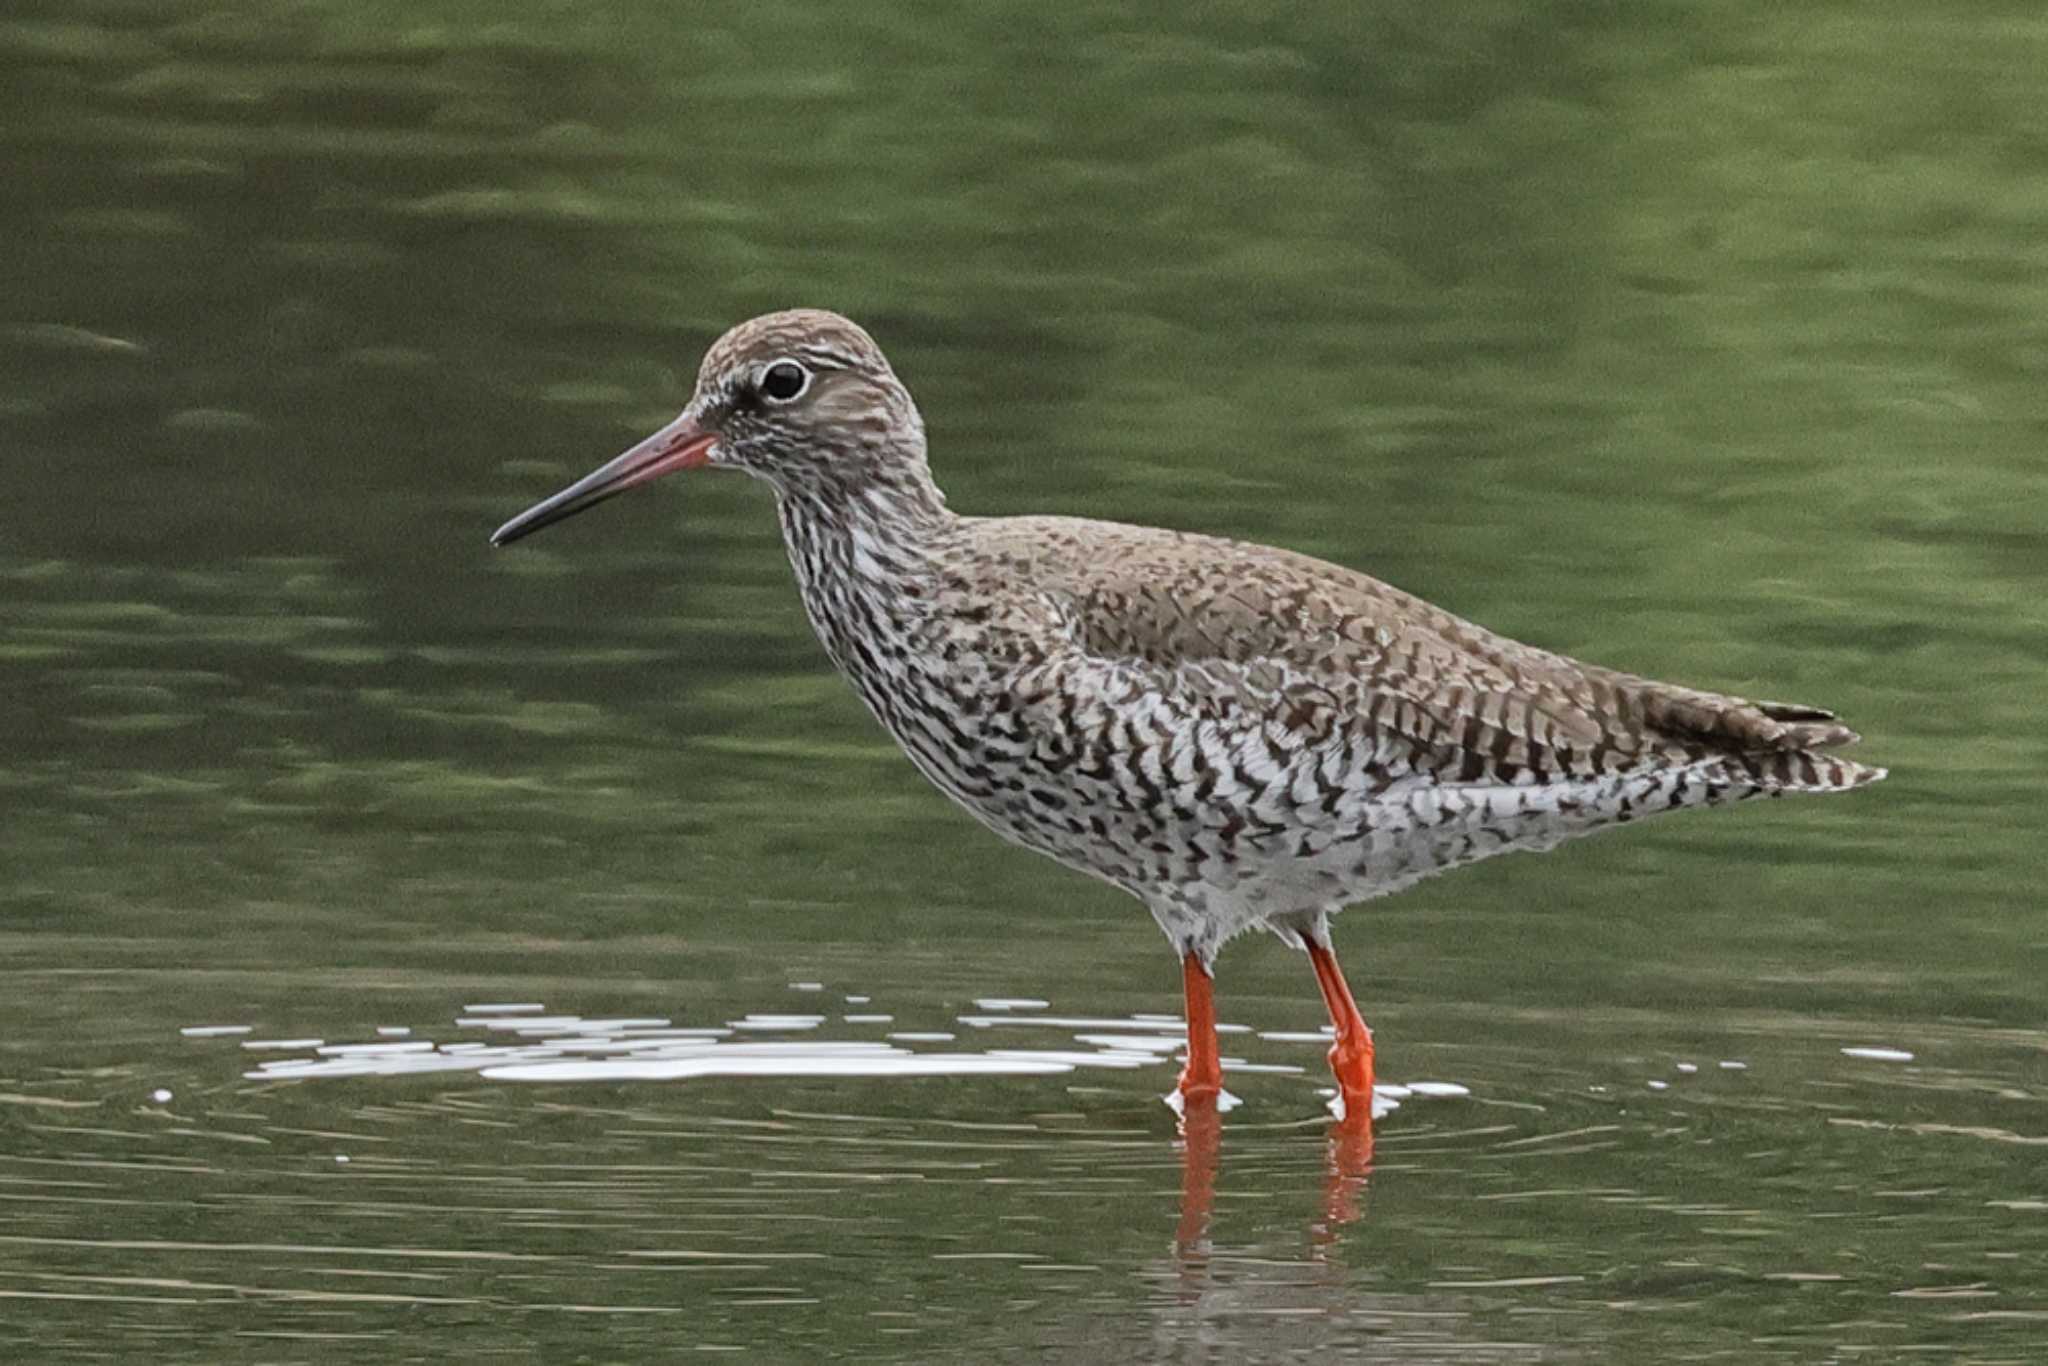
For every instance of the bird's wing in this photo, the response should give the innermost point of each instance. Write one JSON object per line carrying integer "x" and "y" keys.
{"x": 1229, "y": 628}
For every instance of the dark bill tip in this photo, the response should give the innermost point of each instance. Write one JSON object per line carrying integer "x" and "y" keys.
{"x": 567, "y": 503}
{"x": 681, "y": 445}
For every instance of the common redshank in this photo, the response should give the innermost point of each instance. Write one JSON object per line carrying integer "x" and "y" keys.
{"x": 1239, "y": 736}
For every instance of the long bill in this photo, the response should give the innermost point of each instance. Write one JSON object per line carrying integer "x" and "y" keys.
{"x": 681, "y": 445}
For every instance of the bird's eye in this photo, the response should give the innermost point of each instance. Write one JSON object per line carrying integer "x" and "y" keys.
{"x": 784, "y": 380}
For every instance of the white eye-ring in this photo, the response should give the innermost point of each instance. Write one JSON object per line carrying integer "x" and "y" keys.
{"x": 784, "y": 381}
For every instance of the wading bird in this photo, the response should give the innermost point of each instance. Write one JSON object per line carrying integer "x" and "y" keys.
{"x": 1239, "y": 736}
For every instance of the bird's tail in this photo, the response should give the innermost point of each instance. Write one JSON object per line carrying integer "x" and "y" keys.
{"x": 1802, "y": 770}
{"x": 1777, "y": 746}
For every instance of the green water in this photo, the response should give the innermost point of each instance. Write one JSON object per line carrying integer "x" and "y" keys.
{"x": 1705, "y": 340}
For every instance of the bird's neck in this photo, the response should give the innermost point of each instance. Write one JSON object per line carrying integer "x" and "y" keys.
{"x": 865, "y": 558}
{"x": 901, "y": 516}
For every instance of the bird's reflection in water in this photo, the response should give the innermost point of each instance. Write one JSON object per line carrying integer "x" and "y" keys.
{"x": 1201, "y": 1143}
{"x": 1347, "y": 1168}
{"x": 1346, "y": 1165}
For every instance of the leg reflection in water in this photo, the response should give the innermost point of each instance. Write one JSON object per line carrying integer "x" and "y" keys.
{"x": 1347, "y": 1166}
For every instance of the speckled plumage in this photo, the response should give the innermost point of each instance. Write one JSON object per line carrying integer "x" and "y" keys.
{"x": 1238, "y": 735}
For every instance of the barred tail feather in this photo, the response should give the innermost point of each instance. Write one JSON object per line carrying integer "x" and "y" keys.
{"x": 1809, "y": 727}
{"x": 1802, "y": 770}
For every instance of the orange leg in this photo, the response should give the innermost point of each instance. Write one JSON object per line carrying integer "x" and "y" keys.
{"x": 1201, "y": 1081}
{"x": 1351, "y": 1054}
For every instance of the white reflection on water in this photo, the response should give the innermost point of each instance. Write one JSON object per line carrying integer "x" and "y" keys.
{"x": 777, "y": 1023}
{"x": 818, "y": 1059}
{"x": 524, "y": 1041}
{"x": 1148, "y": 1022}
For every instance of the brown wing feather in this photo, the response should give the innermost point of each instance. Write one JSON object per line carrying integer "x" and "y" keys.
{"x": 1172, "y": 599}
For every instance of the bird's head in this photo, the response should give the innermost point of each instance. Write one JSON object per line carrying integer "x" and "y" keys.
{"x": 803, "y": 399}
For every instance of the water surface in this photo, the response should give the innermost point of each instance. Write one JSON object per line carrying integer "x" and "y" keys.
{"x": 1700, "y": 341}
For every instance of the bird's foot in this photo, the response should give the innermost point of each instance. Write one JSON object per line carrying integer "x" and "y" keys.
{"x": 1350, "y": 1159}
{"x": 1210, "y": 1099}
{"x": 1198, "y": 1088}
{"x": 1351, "y": 1065}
